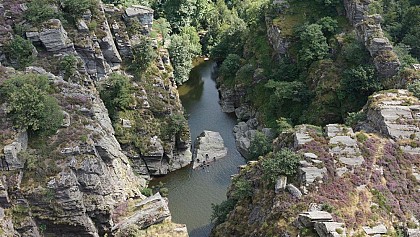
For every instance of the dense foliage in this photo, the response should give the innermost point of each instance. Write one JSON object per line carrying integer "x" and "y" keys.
{"x": 29, "y": 104}
{"x": 20, "y": 52}
{"x": 260, "y": 145}
{"x": 284, "y": 162}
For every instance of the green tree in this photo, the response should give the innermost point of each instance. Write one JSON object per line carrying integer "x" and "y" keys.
{"x": 163, "y": 27}
{"x": 230, "y": 66}
{"x": 242, "y": 189}
{"x": 117, "y": 94}
{"x": 143, "y": 54}
{"x": 313, "y": 43}
{"x": 181, "y": 57}
{"x": 328, "y": 25}
{"x": 179, "y": 13}
{"x": 20, "y": 52}
{"x": 39, "y": 11}
{"x": 77, "y": 7}
{"x": 69, "y": 65}
{"x": 284, "y": 162}
{"x": 360, "y": 80}
{"x": 194, "y": 40}
{"x": 30, "y": 106}
{"x": 222, "y": 210}
{"x": 260, "y": 146}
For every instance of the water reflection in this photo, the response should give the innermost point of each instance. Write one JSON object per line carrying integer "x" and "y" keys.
{"x": 191, "y": 192}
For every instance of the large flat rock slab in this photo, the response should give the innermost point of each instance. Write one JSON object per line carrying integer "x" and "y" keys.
{"x": 209, "y": 147}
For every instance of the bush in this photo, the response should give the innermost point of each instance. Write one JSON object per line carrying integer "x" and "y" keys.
{"x": 29, "y": 105}
{"x": 20, "y": 52}
{"x": 260, "y": 146}
{"x": 144, "y": 55}
{"x": 283, "y": 125}
{"x": 415, "y": 88}
{"x": 77, "y": 7}
{"x": 230, "y": 66}
{"x": 69, "y": 65}
{"x": 242, "y": 189}
{"x": 40, "y": 11}
{"x": 354, "y": 118}
{"x": 222, "y": 210}
{"x": 284, "y": 162}
{"x": 117, "y": 94}
{"x": 147, "y": 192}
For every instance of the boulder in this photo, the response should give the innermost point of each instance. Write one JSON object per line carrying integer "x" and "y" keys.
{"x": 379, "y": 229}
{"x": 209, "y": 147}
{"x": 308, "y": 219}
{"x": 280, "y": 184}
{"x": 295, "y": 192}
{"x": 330, "y": 229}
{"x": 309, "y": 174}
{"x": 54, "y": 37}
{"x": 12, "y": 159}
{"x": 150, "y": 211}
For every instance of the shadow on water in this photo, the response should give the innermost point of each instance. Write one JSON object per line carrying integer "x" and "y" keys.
{"x": 191, "y": 192}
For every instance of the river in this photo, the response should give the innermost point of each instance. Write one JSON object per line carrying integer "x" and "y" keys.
{"x": 191, "y": 192}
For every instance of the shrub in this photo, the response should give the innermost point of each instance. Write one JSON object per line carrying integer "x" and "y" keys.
{"x": 117, "y": 93}
{"x": 222, "y": 210}
{"x": 243, "y": 189}
{"x": 40, "y": 11}
{"x": 361, "y": 137}
{"x": 260, "y": 146}
{"x": 230, "y": 66}
{"x": 77, "y": 7}
{"x": 284, "y": 162}
{"x": 29, "y": 105}
{"x": 69, "y": 65}
{"x": 355, "y": 117}
{"x": 415, "y": 88}
{"x": 283, "y": 125}
{"x": 20, "y": 52}
{"x": 147, "y": 192}
{"x": 143, "y": 54}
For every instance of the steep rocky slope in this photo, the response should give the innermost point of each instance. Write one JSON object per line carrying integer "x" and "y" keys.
{"x": 347, "y": 183}
{"x": 81, "y": 180}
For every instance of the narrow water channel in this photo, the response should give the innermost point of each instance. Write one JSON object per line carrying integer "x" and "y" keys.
{"x": 191, "y": 192}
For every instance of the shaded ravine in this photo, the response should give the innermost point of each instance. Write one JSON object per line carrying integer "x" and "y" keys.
{"x": 191, "y": 192}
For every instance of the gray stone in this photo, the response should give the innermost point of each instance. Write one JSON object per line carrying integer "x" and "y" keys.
{"x": 310, "y": 155}
{"x": 54, "y": 37}
{"x": 329, "y": 229}
{"x": 413, "y": 232}
{"x": 209, "y": 146}
{"x": 379, "y": 229}
{"x": 302, "y": 137}
{"x": 82, "y": 26}
{"x": 334, "y": 130}
{"x": 341, "y": 171}
{"x": 66, "y": 119}
{"x": 352, "y": 161}
{"x": 11, "y": 151}
{"x": 142, "y": 13}
{"x": 126, "y": 123}
{"x": 280, "y": 184}
{"x": 309, "y": 174}
{"x": 295, "y": 192}
{"x": 151, "y": 210}
{"x": 308, "y": 219}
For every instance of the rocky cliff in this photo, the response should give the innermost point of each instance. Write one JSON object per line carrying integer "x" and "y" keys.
{"x": 360, "y": 183}
{"x": 84, "y": 180}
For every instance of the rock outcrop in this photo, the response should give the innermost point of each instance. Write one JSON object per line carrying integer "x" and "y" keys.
{"x": 369, "y": 31}
{"x": 358, "y": 176}
{"x": 208, "y": 148}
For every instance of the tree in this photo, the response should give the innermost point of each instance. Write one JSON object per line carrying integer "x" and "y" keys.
{"x": 179, "y": 13}
{"x": 20, "y": 52}
{"x": 30, "y": 106}
{"x": 39, "y": 11}
{"x": 117, "y": 94}
{"x": 360, "y": 80}
{"x": 77, "y": 7}
{"x": 163, "y": 27}
{"x": 260, "y": 146}
{"x": 313, "y": 43}
{"x": 69, "y": 65}
{"x": 230, "y": 66}
{"x": 143, "y": 54}
{"x": 181, "y": 57}
{"x": 194, "y": 40}
{"x": 328, "y": 25}
{"x": 284, "y": 162}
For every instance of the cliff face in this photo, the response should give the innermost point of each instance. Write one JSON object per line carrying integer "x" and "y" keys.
{"x": 81, "y": 181}
{"x": 369, "y": 31}
{"x": 347, "y": 183}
